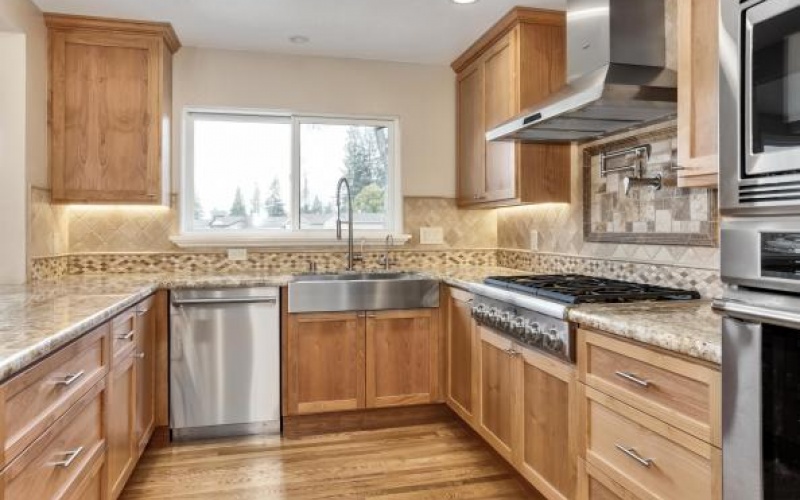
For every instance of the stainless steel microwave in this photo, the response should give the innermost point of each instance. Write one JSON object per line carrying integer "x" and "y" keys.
{"x": 760, "y": 107}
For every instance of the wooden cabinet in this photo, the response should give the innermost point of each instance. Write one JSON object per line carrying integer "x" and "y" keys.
{"x": 109, "y": 115}
{"x": 549, "y": 425}
{"x": 326, "y": 362}
{"x": 499, "y": 415}
{"x": 461, "y": 386}
{"x": 650, "y": 422}
{"x": 517, "y": 63}
{"x": 698, "y": 93}
{"x": 55, "y": 465}
{"x": 144, "y": 356}
{"x": 353, "y": 360}
{"x": 401, "y": 357}
{"x": 122, "y": 442}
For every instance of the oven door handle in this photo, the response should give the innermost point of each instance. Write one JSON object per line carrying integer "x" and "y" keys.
{"x": 758, "y": 314}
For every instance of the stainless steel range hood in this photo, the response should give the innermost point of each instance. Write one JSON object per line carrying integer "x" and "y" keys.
{"x": 617, "y": 79}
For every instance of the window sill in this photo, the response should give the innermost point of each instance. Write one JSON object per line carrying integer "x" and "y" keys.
{"x": 283, "y": 241}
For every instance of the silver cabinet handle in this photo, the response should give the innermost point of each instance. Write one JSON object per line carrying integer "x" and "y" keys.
{"x": 69, "y": 457}
{"x": 69, "y": 379}
{"x": 630, "y": 377}
{"x": 127, "y": 336}
{"x": 644, "y": 462}
{"x": 139, "y": 355}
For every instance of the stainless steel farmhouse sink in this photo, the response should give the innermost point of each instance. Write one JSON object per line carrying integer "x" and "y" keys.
{"x": 362, "y": 292}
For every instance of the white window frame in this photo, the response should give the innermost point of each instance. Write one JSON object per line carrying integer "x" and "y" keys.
{"x": 189, "y": 237}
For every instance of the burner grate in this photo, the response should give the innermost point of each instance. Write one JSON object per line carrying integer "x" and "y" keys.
{"x": 579, "y": 289}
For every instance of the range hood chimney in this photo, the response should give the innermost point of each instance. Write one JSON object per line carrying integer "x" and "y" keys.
{"x": 617, "y": 80}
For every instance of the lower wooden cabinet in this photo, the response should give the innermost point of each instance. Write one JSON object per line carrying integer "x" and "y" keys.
{"x": 122, "y": 442}
{"x": 325, "y": 362}
{"x": 461, "y": 385}
{"x": 57, "y": 462}
{"x": 402, "y": 357}
{"x": 145, "y": 368}
{"x": 499, "y": 409}
{"x": 549, "y": 425}
{"x": 352, "y": 360}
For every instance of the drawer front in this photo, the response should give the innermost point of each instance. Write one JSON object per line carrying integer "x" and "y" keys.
{"x": 123, "y": 331}
{"x": 39, "y": 396}
{"x": 677, "y": 391}
{"x": 59, "y": 461}
{"x": 646, "y": 456}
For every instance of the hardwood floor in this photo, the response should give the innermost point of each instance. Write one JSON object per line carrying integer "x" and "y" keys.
{"x": 442, "y": 460}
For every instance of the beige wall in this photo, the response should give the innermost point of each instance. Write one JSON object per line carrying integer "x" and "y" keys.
{"x": 23, "y": 122}
{"x": 422, "y": 97}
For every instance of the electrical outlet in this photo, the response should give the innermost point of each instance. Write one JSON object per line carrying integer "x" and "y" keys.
{"x": 431, "y": 236}
{"x": 534, "y": 240}
{"x": 237, "y": 254}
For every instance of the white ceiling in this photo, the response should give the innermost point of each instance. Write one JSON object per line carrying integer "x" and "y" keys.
{"x": 420, "y": 31}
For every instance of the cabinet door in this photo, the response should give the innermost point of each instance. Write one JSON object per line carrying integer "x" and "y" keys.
{"x": 500, "y": 104}
{"x": 401, "y": 357}
{"x": 145, "y": 372}
{"x": 105, "y": 109}
{"x": 122, "y": 449}
{"x": 471, "y": 135}
{"x": 698, "y": 92}
{"x": 500, "y": 411}
{"x": 462, "y": 363}
{"x": 549, "y": 425}
{"x": 326, "y": 362}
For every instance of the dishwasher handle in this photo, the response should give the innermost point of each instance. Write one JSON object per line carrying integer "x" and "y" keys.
{"x": 225, "y": 300}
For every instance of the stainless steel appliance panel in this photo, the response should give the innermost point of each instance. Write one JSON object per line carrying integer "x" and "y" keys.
{"x": 760, "y": 107}
{"x": 224, "y": 362}
{"x": 741, "y": 410}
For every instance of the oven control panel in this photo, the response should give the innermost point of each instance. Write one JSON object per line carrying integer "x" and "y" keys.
{"x": 530, "y": 328}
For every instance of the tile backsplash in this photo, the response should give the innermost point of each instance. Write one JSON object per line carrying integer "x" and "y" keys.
{"x": 669, "y": 215}
{"x": 560, "y": 228}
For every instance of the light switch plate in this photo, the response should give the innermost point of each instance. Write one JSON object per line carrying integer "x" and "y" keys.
{"x": 431, "y": 236}
{"x": 237, "y": 254}
{"x": 534, "y": 240}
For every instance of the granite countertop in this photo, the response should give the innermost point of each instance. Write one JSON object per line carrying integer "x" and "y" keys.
{"x": 690, "y": 328}
{"x": 37, "y": 319}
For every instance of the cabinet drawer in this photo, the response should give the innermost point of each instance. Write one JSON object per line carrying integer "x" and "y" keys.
{"x": 679, "y": 392}
{"x": 123, "y": 331}
{"x": 646, "y": 456}
{"x": 57, "y": 464}
{"x": 40, "y": 395}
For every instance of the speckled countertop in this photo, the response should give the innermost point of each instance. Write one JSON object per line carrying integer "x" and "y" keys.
{"x": 37, "y": 319}
{"x": 689, "y": 328}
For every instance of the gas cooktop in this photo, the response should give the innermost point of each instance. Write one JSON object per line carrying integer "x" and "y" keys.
{"x": 579, "y": 289}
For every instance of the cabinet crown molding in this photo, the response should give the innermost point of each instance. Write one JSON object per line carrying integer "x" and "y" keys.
{"x": 516, "y": 15}
{"x": 69, "y": 21}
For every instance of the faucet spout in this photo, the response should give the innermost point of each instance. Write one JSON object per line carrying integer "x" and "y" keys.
{"x": 351, "y": 257}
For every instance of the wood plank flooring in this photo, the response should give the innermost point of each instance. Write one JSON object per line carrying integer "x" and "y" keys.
{"x": 442, "y": 460}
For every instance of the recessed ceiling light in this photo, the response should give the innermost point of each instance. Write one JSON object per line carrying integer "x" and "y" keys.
{"x": 463, "y": 1}
{"x": 299, "y": 39}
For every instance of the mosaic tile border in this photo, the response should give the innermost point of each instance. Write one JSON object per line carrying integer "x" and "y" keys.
{"x": 705, "y": 281}
{"x": 267, "y": 262}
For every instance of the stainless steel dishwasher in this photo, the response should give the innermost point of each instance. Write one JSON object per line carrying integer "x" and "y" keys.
{"x": 224, "y": 372}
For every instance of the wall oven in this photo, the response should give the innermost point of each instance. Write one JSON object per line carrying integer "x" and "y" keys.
{"x": 760, "y": 262}
{"x": 760, "y": 99}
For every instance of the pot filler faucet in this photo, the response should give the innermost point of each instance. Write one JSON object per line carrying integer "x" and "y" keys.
{"x": 351, "y": 257}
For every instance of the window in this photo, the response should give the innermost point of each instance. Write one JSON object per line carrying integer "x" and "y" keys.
{"x": 273, "y": 177}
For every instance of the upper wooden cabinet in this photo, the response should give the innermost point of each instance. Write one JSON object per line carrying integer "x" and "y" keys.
{"x": 517, "y": 63}
{"x": 698, "y": 93}
{"x": 110, "y": 109}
